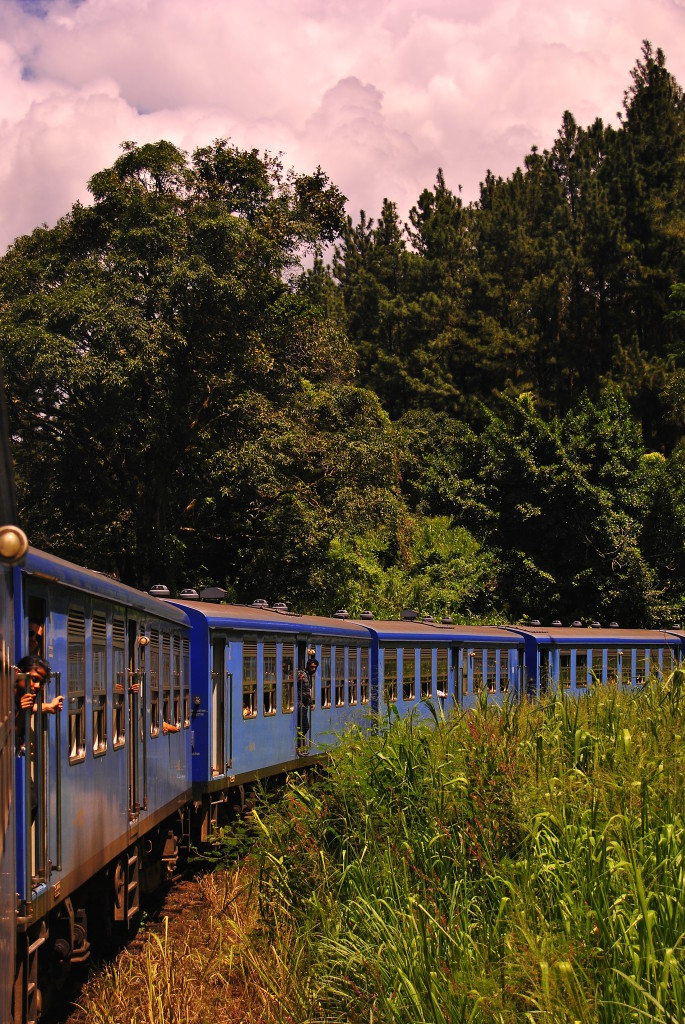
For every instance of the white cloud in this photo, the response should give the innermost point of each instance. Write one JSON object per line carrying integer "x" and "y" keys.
{"x": 379, "y": 94}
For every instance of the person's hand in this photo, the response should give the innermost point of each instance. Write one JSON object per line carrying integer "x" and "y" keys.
{"x": 27, "y": 701}
{"x": 55, "y": 705}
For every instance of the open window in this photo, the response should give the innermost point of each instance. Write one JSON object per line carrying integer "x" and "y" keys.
{"x": 269, "y": 679}
{"x": 99, "y": 682}
{"x": 176, "y": 682}
{"x": 352, "y": 677}
{"x": 408, "y": 674}
{"x": 426, "y": 673}
{"x": 325, "y": 677}
{"x": 339, "y": 677}
{"x": 153, "y": 648}
{"x": 442, "y": 672}
{"x": 249, "y": 680}
{"x": 185, "y": 683}
{"x": 364, "y": 675}
{"x": 287, "y": 678}
{"x": 76, "y": 684}
{"x": 390, "y": 675}
{"x": 118, "y": 684}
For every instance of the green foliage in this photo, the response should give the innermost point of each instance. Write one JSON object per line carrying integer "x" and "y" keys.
{"x": 499, "y": 865}
{"x": 176, "y": 402}
{"x": 573, "y": 508}
{"x": 421, "y": 562}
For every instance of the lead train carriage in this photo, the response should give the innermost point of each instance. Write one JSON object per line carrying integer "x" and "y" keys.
{"x": 172, "y": 707}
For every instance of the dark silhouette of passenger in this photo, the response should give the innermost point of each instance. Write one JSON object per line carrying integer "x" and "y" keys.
{"x": 304, "y": 702}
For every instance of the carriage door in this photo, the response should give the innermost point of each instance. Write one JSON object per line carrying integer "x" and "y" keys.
{"x": 137, "y": 647}
{"x": 218, "y": 706}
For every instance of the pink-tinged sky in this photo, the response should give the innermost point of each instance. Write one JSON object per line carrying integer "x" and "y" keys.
{"x": 380, "y": 93}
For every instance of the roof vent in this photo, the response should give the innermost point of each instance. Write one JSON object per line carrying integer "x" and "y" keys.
{"x": 189, "y": 594}
{"x": 576, "y": 624}
{"x": 366, "y": 615}
{"x": 613, "y": 625}
{"x": 676, "y": 625}
{"x": 409, "y": 614}
{"x": 446, "y": 620}
{"x": 595, "y": 625}
{"x": 280, "y": 606}
{"x": 428, "y": 619}
{"x": 557, "y": 622}
{"x": 260, "y": 603}
{"x": 534, "y": 622}
{"x": 342, "y": 613}
{"x": 214, "y": 594}
{"x": 159, "y": 590}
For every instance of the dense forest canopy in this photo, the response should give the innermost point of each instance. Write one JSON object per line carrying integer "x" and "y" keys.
{"x": 479, "y": 412}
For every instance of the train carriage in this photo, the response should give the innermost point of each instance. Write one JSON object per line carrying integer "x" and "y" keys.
{"x": 450, "y": 664}
{"x": 99, "y": 784}
{"x": 571, "y": 658}
{"x": 244, "y": 666}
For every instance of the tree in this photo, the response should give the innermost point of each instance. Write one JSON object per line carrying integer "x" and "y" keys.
{"x": 562, "y": 510}
{"x": 168, "y": 381}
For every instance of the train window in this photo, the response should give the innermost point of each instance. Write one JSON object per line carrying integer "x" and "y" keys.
{"x": 426, "y": 673}
{"x": 249, "y": 680}
{"x": 185, "y": 683}
{"x": 76, "y": 684}
{"x": 364, "y": 675}
{"x": 671, "y": 658}
{"x": 654, "y": 661}
{"x": 408, "y": 673}
{"x": 640, "y": 663}
{"x": 477, "y": 674}
{"x": 339, "y": 677}
{"x": 352, "y": 679}
{"x": 118, "y": 684}
{"x": 581, "y": 669}
{"x": 491, "y": 670}
{"x": 545, "y": 670}
{"x": 612, "y": 666}
{"x": 166, "y": 677}
{"x": 390, "y": 676}
{"x": 269, "y": 679}
{"x": 99, "y": 682}
{"x": 176, "y": 681}
{"x": 564, "y": 668}
{"x": 503, "y": 670}
{"x": 36, "y": 627}
{"x": 153, "y": 648}
{"x": 442, "y": 677}
{"x": 287, "y": 679}
{"x": 464, "y": 664}
{"x": 325, "y": 677}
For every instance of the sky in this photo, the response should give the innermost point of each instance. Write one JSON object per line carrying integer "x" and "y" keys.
{"x": 379, "y": 93}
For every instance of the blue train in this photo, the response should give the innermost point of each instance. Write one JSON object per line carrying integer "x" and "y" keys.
{"x": 172, "y": 706}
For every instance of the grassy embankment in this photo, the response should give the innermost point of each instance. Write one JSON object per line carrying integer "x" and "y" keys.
{"x": 516, "y": 864}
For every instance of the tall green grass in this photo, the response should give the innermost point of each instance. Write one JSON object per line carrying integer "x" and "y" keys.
{"x": 506, "y": 864}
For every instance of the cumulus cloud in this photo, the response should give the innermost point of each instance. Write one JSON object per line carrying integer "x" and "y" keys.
{"x": 380, "y": 95}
